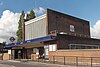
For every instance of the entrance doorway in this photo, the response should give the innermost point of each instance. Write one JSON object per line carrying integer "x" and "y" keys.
{"x": 41, "y": 52}
{"x": 18, "y": 54}
{"x": 46, "y": 51}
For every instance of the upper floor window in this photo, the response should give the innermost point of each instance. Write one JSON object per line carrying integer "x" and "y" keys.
{"x": 72, "y": 28}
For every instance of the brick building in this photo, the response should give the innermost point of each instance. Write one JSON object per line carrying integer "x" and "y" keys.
{"x": 51, "y": 32}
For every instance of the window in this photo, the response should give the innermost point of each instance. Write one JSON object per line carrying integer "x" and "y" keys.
{"x": 83, "y": 46}
{"x": 72, "y": 28}
{"x": 53, "y": 47}
{"x": 35, "y": 50}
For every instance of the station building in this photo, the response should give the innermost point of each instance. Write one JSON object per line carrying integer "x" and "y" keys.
{"x": 52, "y": 33}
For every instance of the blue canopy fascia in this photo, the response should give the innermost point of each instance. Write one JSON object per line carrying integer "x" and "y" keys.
{"x": 32, "y": 40}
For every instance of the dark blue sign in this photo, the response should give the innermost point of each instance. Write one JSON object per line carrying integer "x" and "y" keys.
{"x": 12, "y": 39}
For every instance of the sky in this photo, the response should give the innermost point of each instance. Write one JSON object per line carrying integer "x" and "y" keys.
{"x": 10, "y": 11}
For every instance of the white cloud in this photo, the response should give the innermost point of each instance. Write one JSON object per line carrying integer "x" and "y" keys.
{"x": 39, "y": 10}
{"x": 95, "y": 30}
{"x": 8, "y": 25}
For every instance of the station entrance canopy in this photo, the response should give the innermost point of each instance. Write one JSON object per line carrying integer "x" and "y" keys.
{"x": 37, "y": 42}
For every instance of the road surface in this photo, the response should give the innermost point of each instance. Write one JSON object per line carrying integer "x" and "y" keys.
{"x": 27, "y": 64}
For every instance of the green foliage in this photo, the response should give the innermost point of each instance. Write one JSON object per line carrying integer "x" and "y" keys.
{"x": 31, "y": 15}
{"x": 23, "y": 14}
{"x": 2, "y": 45}
{"x": 28, "y": 17}
{"x": 19, "y": 31}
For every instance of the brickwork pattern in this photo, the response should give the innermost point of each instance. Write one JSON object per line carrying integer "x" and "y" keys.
{"x": 61, "y": 22}
{"x": 74, "y": 55}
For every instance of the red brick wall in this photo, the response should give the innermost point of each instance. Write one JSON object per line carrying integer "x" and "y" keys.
{"x": 61, "y": 22}
{"x": 80, "y": 52}
{"x": 6, "y": 56}
{"x": 34, "y": 56}
{"x": 63, "y": 41}
{"x": 71, "y": 55}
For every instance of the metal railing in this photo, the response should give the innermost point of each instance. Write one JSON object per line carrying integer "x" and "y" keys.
{"x": 77, "y": 61}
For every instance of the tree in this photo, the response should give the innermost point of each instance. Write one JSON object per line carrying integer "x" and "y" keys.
{"x": 21, "y": 28}
{"x": 27, "y": 17}
{"x": 19, "y": 33}
{"x": 30, "y": 16}
{"x": 3, "y": 45}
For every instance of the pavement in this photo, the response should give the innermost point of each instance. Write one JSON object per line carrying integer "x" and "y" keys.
{"x": 39, "y": 63}
{"x": 3, "y": 65}
{"x": 14, "y": 63}
{"x": 46, "y": 64}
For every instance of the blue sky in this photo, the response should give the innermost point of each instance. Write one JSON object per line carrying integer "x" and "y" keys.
{"x": 10, "y": 11}
{"x": 85, "y": 9}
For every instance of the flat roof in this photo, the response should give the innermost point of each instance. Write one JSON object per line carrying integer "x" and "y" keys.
{"x": 35, "y": 19}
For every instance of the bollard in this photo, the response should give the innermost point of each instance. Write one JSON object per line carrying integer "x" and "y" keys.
{"x": 54, "y": 59}
{"x": 91, "y": 61}
{"x": 77, "y": 61}
{"x": 64, "y": 60}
